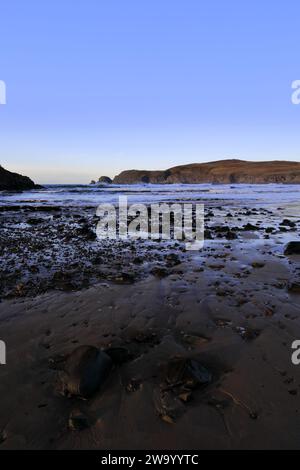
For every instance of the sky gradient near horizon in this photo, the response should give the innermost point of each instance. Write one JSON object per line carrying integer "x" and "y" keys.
{"x": 95, "y": 87}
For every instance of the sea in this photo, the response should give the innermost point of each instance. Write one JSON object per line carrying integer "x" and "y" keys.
{"x": 93, "y": 195}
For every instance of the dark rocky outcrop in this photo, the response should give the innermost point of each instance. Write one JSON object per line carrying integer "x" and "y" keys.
{"x": 15, "y": 182}
{"x": 292, "y": 248}
{"x": 105, "y": 179}
{"x": 220, "y": 172}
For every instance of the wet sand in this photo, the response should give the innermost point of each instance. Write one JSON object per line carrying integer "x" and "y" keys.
{"x": 229, "y": 307}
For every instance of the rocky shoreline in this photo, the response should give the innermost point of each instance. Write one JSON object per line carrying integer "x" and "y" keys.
{"x": 52, "y": 247}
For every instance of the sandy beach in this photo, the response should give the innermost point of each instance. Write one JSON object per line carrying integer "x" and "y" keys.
{"x": 231, "y": 309}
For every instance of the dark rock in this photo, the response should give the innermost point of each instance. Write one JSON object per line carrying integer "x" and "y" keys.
{"x": 292, "y": 248}
{"x": 15, "y": 182}
{"x": 105, "y": 179}
{"x": 84, "y": 370}
{"x": 288, "y": 223}
{"x": 250, "y": 227}
{"x": 187, "y": 372}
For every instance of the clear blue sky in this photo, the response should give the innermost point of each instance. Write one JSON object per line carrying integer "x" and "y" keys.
{"x": 98, "y": 86}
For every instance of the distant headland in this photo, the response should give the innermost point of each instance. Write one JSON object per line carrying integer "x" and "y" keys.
{"x": 219, "y": 172}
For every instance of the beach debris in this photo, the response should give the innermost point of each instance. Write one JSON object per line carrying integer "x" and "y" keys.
{"x": 83, "y": 371}
{"x": 247, "y": 333}
{"x": 292, "y": 248}
{"x": 252, "y": 414}
{"x": 187, "y": 373}
{"x": 221, "y": 405}
{"x": 168, "y": 407}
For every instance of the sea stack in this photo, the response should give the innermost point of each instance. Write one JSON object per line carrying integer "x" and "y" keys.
{"x": 105, "y": 179}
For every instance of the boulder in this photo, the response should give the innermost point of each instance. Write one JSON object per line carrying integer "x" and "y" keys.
{"x": 83, "y": 371}
{"x": 105, "y": 179}
{"x": 292, "y": 248}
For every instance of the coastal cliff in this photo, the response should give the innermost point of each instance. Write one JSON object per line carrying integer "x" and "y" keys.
{"x": 14, "y": 182}
{"x": 220, "y": 172}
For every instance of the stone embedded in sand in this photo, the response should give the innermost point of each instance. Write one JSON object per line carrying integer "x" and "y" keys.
{"x": 292, "y": 248}
{"x": 250, "y": 227}
{"x": 187, "y": 372}
{"x": 288, "y": 223}
{"x": 84, "y": 370}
